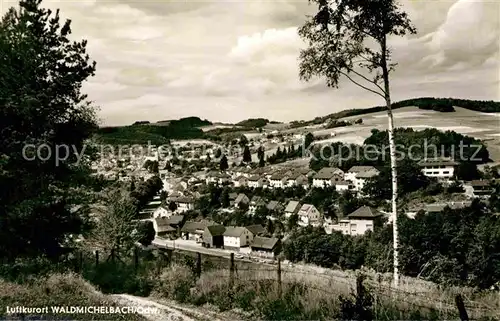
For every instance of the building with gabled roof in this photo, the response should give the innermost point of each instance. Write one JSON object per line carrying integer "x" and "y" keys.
{"x": 292, "y": 208}
{"x": 213, "y": 236}
{"x": 309, "y": 215}
{"x": 267, "y": 247}
{"x": 358, "y": 222}
{"x": 327, "y": 176}
{"x": 236, "y": 237}
{"x": 359, "y": 175}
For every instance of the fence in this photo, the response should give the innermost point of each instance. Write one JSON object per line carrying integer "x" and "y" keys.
{"x": 457, "y": 304}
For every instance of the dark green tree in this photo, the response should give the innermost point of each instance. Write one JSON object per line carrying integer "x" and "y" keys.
{"x": 225, "y": 198}
{"x": 172, "y": 206}
{"x": 41, "y": 105}
{"x": 308, "y": 139}
{"x": 223, "y": 165}
{"x": 247, "y": 156}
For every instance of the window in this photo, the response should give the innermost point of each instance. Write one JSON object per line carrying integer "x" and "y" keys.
{"x": 446, "y": 172}
{"x": 369, "y": 226}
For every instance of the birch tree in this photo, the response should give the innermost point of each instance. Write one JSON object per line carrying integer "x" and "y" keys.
{"x": 348, "y": 39}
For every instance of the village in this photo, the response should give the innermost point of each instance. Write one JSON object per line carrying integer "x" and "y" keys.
{"x": 187, "y": 174}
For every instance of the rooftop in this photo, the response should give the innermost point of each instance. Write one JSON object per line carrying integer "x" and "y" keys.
{"x": 365, "y": 212}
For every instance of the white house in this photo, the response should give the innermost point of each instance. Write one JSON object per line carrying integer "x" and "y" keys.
{"x": 344, "y": 186}
{"x": 358, "y": 175}
{"x": 358, "y": 222}
{"x": 309, "y": 215}
{"x": 237, "y": 237}
{"x": 240, "y": 181}
{"x": 296, "y": 179}
{"x": 162, "y": 212}
{"x": 278, "y": 180}
{"x": 440, "y": 168}
{"x": 184, "y": 204}
{"x": 327, "y": 176}
{"x": 256, "y": 181}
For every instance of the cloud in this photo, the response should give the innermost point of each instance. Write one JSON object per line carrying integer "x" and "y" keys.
{"x": 228, "y": 60}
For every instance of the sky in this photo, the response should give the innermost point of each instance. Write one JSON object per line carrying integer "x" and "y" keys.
{"x": 229, "y": 60}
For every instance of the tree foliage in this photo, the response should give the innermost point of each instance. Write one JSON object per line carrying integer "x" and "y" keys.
{"x": 41, "y": 103}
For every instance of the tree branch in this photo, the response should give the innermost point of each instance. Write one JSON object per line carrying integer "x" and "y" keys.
{"x": 369, "y": 80}
{"x": 356, "y": 83}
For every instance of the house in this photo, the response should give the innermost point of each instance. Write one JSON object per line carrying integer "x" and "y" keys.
{"x": 213, "y": 236}
{"x": 278, "y": 180}
{"x": 292, "y": 208}
{"x": 309, "y": 215}
{"x": 327, "y": 176}
{"x": 296, "y": 178}
{"x": 215, "y": 177}
{"x": 481, "y": 188}
{"x": 274, "y": 206}
{"x": 241, "y": 172}
{"x": 240, "y": 181}
{"x": 168, "y": 226}
{"x": 194, "y": 230}
{"x": 256, "y": 229}
{"x": 256, "y": 202}
{"x": 360, "y": 221}
{"x": 439, "y": 167}
{"x": 161, "y": 211}
{"x": 358, "y": 175}
{"x": 307, "y": 172}
{"x": 185, "y": 204}
{"x": 344, "y": 186}
{"x": 236, "y": 238}
{"x": 267, "y": 247}
{"x": 241, "y": 199}
{"x": 256, "y": 181}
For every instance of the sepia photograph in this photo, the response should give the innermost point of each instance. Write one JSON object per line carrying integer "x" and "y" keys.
{"x": 222, "y": 160}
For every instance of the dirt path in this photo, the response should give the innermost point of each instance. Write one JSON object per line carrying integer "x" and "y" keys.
{"x": 168, "y": 311}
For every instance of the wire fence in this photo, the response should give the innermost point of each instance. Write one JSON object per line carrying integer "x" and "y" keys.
{"x": 331, "y": 285}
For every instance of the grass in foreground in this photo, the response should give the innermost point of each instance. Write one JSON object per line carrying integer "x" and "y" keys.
{"x": 56, "y": 290}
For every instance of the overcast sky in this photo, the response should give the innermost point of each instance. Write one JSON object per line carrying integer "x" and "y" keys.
{"x": 228, "y": 60}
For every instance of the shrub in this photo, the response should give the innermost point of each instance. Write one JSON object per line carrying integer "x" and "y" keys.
{"x": 175, "y": 283}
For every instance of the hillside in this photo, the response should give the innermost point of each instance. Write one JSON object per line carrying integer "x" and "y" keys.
{"x": 159, "y": 133}
{"x": 425, "y": 103}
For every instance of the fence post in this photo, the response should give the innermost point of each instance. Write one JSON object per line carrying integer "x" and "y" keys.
{"x": 279, "y": 278}
{"x": 198, "y": 264}
{"x": 231, "y": 271}
{"x": 136, "y": 259}
{"x": 461, "y": 308}
{"x": 96, "y": 258}
{"x": 81, "y": 262}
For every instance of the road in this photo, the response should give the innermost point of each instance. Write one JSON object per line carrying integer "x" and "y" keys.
{"x": 190, "y": 246}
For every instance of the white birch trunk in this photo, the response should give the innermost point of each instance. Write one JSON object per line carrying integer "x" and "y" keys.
{"x": 394, "y": 175}
{"x": 394, "y": 172}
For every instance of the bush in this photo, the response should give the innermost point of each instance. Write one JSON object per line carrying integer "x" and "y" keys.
{"x": 56, "y": 290}
{"x": 175, "y": 283}
{"x": 118, "y": 278}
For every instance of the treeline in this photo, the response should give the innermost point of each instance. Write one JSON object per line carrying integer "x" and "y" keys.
{"x": 185, "y": 128}
{"x": 427, "y": 103}
{"x": 458, "y": 247}
{"x": 254, "y": 122}
{"x": 411, "y": 146}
